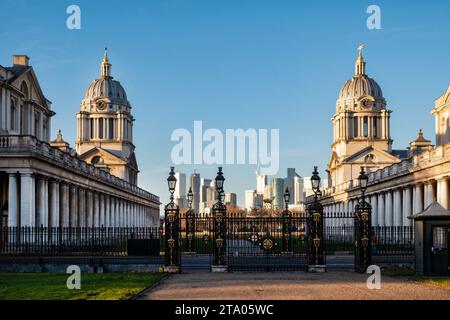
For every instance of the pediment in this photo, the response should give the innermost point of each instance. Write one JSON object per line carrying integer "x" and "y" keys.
{"x": 371, "y": 155}
{"x": 108, "y": 157}
{"x": 34, "y": 88}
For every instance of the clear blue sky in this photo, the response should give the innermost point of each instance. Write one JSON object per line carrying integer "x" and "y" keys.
{"x": 234, "y": 64}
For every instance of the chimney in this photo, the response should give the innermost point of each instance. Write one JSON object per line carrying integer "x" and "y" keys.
{"x": 20, "y": 60}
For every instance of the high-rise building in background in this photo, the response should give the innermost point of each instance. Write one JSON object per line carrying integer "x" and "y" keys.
{"x": 277, "y": 193}
{"x": 195, "y": 185}
{"x": 298, "y": 190}
{"x": 231, "y": 198}
{"x": 180, "y": 190}
{"x": 261, "y": 182}
{"x": 290, "y": 184}
{"x": 249, "y": 199}
{"x": 204, "y": 184}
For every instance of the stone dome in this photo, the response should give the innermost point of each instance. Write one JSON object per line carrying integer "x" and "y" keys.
{"x": 106, "y": 87}
{"x": 360, "y": 86}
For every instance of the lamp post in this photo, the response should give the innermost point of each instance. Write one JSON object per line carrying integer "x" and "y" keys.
{"x": 172, "y": 229}
{"x": 219, "y": 221}
{"x": 287, "y": 223}
{"x": 190, "y": 224}
{"x": 363, "y": 227}
{"x": 316, "y": 261}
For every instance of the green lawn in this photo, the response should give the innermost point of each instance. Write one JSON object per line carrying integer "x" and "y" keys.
{"x": 437, "y": 281}
{"x": 409, "y": 273}
{"x": 52, "y": 286}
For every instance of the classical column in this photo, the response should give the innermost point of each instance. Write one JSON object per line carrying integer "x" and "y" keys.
{"x": 417, "y": 199}
{"x": 389, "y": 208}
{"x": 27, "y": 200}
{"x": 73, "y": 216}
{"x": 407, "y": 209}
{"x": 428, "y": 194}
{"x": 374, "y": 203}
{"x": 397, "y": 208}
{"x": 381, "y": 210}
{"x": 54, "y": 203}
{"x": 113, "y": 212}
{"x": 442, "y": 192}
{"x": 42, "y": 202}
{"x": 121, "y": 215}
{"x": 90, "y": 208}
{"x": 96, "y": 218}
{"x": 101, "y": 209}
{"x": 107, "y": 210}
{"x": 13, "y": 213}
{"x": 64, "y": 204}
{"x": 82, "y": 207}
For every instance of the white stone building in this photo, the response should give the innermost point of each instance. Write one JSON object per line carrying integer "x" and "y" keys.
{"x": 402, "y": 182}
{"x": 45, "y": 183}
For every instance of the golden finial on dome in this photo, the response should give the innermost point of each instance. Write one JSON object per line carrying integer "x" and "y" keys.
{"x": 105, "y": 56}
{"x": 105, "y": 66}
{"x": 360, "y": 49}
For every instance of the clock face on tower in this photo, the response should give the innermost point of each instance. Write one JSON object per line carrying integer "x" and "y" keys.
{"x": 367, "y": 104}
{"x": 101, "y": 105}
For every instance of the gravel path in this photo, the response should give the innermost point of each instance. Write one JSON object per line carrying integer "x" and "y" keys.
{"x": 286, "y": 286}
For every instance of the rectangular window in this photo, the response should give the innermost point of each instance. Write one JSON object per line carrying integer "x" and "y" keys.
{"x": 375, "y": 127}
{"x": 37, "y": 125}
{"x": 366, "y": 126}
{"x": 111, "y": 128}
{"x": 91, "y": 128}
{"x": 100, "y": 128}
{"x": 355, "y": 126}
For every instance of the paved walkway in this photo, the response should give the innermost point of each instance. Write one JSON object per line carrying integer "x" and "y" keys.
{"x": 287, "y": 286}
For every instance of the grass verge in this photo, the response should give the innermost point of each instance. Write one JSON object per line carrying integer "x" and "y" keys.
{"x": 52, "y": 286}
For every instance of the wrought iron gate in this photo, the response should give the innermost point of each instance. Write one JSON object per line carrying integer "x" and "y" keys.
{"x": 266, "y": 243}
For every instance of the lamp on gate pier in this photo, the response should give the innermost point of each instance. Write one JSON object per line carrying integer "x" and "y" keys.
{"x": 172, "y": 182}
{"x": 363, "y": 180}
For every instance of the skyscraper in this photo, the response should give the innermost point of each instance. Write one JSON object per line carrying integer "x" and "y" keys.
{"x": 290, "y": 183}
{"x": 231, "y": 198}
{"x": 298, "y": 190}
{"x": 195, "y": 185}
{"x": 180, "y": 190}
{"x": 261, "y": 182}
{"x": 204, "y": 184}
{"x": 249, "y": 199}
{"x": 278, "y": 191}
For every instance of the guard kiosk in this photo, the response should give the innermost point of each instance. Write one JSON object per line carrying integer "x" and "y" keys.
{"x": 432, "y": 239}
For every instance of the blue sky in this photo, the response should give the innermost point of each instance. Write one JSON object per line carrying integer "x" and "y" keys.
{"x": 234, "y": 64}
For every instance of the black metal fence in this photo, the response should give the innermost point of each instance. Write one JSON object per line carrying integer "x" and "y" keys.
{"x": 253, "y": 242}
{"x": 81, "y": 242}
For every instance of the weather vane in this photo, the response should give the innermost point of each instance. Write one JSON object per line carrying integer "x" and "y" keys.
{"x": 360, "y": 48}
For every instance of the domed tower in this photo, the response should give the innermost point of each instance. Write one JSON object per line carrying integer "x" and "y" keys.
{"x": 105, "y": 127}
{"x": 361, "y": 129}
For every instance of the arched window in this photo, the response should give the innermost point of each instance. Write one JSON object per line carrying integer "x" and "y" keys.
{"x": 366, "y": 126}
{"x": 24, "y": 89}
